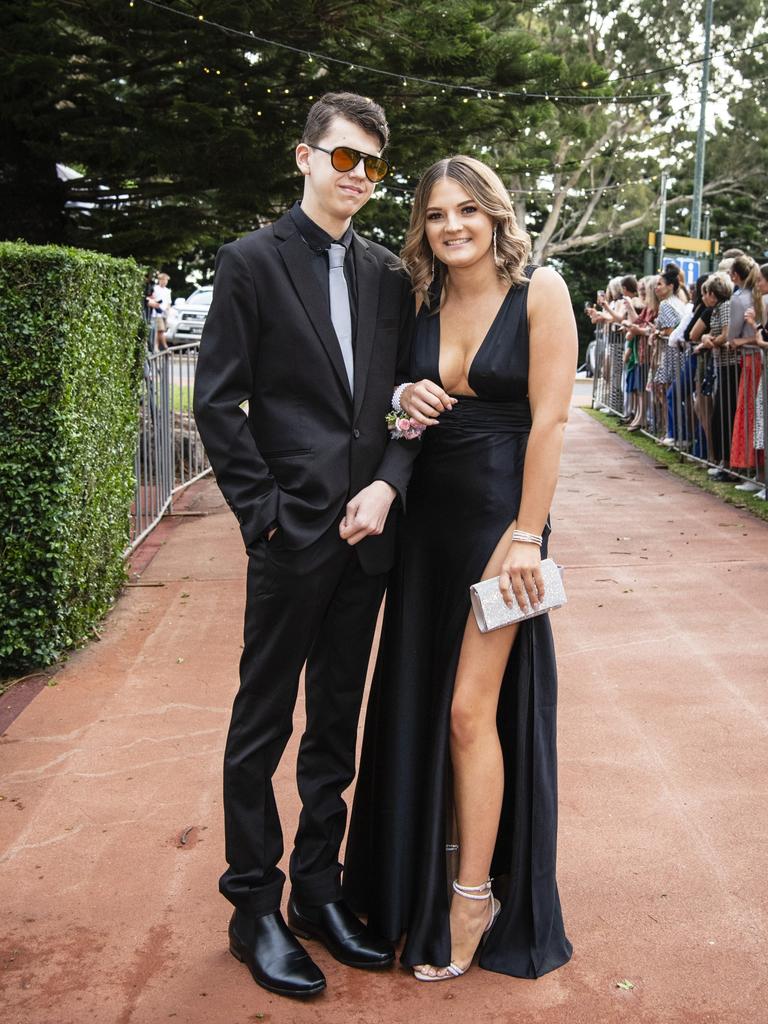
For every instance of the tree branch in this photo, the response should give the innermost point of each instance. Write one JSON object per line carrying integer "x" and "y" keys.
{"x": 615, "y": 231}
{"x": 550, "y": 226}
{"x": 592, "y": 204}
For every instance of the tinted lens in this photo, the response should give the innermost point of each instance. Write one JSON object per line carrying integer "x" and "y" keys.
{"x": 375, "y": 168}
{"x": 344, "y": 159}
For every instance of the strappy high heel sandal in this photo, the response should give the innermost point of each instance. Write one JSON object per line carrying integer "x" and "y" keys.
{"x": 469, "y": 892}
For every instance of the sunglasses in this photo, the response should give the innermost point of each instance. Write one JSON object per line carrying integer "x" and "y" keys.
{"x": 343, "y": 158}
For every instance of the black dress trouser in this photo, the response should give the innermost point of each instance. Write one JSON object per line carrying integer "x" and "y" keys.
{"x": 315, "y": 605}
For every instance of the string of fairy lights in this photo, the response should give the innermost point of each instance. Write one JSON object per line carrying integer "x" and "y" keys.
{"x": 479, "y": 92}
{"x": 470, "y": 91}
{"x": 553, "y": 192}
{"x": 733, "y": 52}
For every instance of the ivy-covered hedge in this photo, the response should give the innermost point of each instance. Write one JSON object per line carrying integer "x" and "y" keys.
{"x": 71, "y": 350}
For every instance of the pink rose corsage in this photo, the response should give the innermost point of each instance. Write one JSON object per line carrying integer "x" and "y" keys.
{"x": 402, "y": 427}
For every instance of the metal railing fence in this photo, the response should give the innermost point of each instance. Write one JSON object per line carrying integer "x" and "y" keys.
{"x": 169, "y": 452}
{"x": 710, "y": 406}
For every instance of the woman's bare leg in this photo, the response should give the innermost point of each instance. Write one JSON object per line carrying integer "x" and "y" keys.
{"x": 703, "y": 408}
{"x": 478, "y": 768}
{"x": 640, "y": 412}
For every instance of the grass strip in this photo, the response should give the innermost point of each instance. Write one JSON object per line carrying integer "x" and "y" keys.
{"x": 677, "y": 463}
{"x": 182, "y": 397}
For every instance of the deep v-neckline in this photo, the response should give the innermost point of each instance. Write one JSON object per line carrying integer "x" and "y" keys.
{"x": 477, "y": 351}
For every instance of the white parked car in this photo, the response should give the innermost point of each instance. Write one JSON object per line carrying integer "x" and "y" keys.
{"x": 191, "y": 316}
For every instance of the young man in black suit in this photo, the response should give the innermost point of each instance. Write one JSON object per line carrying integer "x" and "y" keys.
{"x": 310, "y": 324}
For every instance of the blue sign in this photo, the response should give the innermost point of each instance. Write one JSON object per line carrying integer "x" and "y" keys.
{"x": 691, "y": 268}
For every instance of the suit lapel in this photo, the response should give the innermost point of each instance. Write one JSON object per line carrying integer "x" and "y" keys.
{"x": 297, "y": 258}
{"x": 368, "y": 281}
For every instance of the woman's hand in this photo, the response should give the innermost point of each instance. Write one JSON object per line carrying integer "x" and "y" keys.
{"x": 749, "y": 316}
{"x": 425, "y": 401}
{"x": 521, "y": 575}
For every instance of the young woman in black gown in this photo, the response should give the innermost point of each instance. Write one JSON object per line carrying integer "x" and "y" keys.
{"x": 457, "y": 780}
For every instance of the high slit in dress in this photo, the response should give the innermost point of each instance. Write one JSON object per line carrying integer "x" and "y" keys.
{"x": 464, "y": 494}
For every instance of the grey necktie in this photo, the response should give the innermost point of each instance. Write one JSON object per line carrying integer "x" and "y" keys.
{"x": 340, "y": 314}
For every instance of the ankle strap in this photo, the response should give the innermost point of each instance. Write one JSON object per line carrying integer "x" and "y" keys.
{"x": 473, "y": 892}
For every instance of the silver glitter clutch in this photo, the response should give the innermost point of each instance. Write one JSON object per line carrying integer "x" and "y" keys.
{"x": 492, "y": 613}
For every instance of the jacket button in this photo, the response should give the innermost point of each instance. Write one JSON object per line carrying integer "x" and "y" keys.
{"x": 356, "y": 433}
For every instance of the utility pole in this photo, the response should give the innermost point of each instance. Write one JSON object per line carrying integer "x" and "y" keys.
{"x": 698, "y": 174}
{"x": 662, "y": 220}
{"x": 710, "y": 261}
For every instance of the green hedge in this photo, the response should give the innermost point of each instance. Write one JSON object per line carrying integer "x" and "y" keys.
{"x": 71, "y": 351}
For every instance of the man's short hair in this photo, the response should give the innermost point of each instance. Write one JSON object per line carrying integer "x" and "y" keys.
{"x": 358, "y": 109}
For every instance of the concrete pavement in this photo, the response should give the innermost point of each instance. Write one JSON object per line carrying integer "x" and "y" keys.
{"x": 111, "y": 822}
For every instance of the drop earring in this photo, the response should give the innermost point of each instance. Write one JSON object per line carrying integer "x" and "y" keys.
{"x": 495, "y": 252}
{"x": 433, "y": 266}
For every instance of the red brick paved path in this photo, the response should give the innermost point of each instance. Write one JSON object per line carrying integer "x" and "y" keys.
{"x": 110, "y": 918}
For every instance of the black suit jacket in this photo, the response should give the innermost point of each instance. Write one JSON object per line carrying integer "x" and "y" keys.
{"x": 305, "y": 446}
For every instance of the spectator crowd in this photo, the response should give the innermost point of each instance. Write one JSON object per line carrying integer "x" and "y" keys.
{"x": 688, "y": 365}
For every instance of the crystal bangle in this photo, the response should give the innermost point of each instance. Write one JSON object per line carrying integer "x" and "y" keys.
{"x": 527, "y": 538}
{"x": 397, "y": 394}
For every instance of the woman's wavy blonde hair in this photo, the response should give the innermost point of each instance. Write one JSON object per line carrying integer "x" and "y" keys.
{"x": 749, "y": 272}
{"x": 651, "y": 298}
{"x": 613, "y": 289}
{"x": 485, "y": 187}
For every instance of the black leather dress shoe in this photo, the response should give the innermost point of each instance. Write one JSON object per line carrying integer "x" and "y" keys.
{"x": 346, "y": 938}
{"x": 273, "y": 956}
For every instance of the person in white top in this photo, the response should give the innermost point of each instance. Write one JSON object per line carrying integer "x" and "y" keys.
{"x": 160, "y": 303}
{"x": 673, "y": 298}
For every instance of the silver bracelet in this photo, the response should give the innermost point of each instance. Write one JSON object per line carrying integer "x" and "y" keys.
{"x": 527, "y": 538}
{"x": 397, "y": 393}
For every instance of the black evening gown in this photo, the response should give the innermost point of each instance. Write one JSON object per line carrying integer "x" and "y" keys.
{"x": 464, "y": 494}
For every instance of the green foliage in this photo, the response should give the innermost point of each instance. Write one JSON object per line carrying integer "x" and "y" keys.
{"x": 185, "y": 134}
{"x": 71, "y": 344}
{"x": 195, "y": 129}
